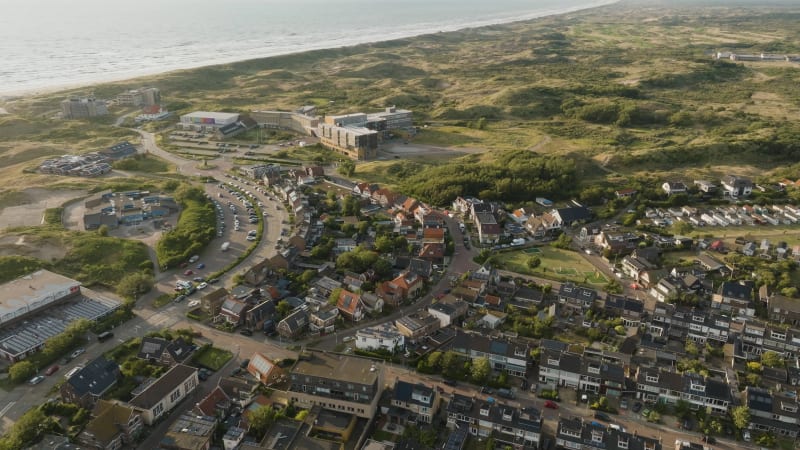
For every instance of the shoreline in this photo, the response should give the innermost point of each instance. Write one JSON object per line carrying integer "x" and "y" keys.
{"x": 99, "y": 78}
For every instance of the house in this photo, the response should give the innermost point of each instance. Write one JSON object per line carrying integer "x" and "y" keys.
{"x": 674, "y": 187}
{"x": 625, "y": 193}
{"x": 165, "y": 393}
{"x": 189, "y": 432}
{"x": 365, "y": 189}
{"x": 407, "y": 285}
{"x": 113, "y": 426}
{"x": 633, "y": 266}
{"x": 293, "y": 325}
{"x": 487, "y": 227}
{"x": 323, "y": 318}
{"x": 413, "y": 403}
{"x": 448, "y": 312}
{"x": 383, "y": 336}
{"x": 512, "y": 357}
{"x": 587, "y": 373}
{"x": 783, "y": 309}
{"x": 417, "y": 325}
{"x": 233, "y": 311}
{"x": 336, "y": 382}
{"x": 325, "y": 286}
{"x": 576, "y": 298}
{"x": 709, "y": 263}
{"x": 263, "y": 369}
{"x": 89, "y": 384}
{"x": 492, "y": 319}
{"x": 165, "y": 352}
{"x": 420, "y": 267}
{"x": 758, "y": 337}
{"x": 507, "y": 425}
{"x": 216, "y": 404}
{"x": 519, "y": 215}
{"x": 771, "y": 413}
{"x": 705, "y": 186}
{"x": 735, "y": 297}
{"x": 541, "y": 226}
{"x": 631, "y": 310}
{"x": 527, "y": 298}
{"x": 212, "y": 302}
{"x": 343, "y": 245}
{"x": 433, "y": 253}
{"x": 350, "y": 305}
{"x": 433, "y": 235}
{"x": 658, "y": 385}
{"x": 480, "y": 207}
{"x": 578, "y": 434}
{"x": 735, "y": 186}
{"x": 567, "y": 217}
{"x": 372, "y": 303}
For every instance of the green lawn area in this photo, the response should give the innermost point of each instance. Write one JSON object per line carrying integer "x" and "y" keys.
{"x": 212, "y": 357}
{"x": 162, "y": 300}
{"x": 557, "y": 264}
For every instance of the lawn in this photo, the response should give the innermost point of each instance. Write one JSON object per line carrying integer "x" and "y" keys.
{"x": 557, "y": 264}
{"x": 212, "y": 358}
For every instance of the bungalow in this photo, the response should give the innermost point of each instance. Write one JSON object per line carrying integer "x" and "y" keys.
{"x": 705, "y": 186}
{"x": 567, "y": 217}
{"x": 293, "y": 325}
{"x": 350, "y": 305}
{"x": 625, "y": 193}
{"x": 674, "y": 187}
{"x": 160, "y": 397}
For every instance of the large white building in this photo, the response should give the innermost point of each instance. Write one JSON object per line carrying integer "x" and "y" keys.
{"x": 206, "y": 120}
{"x": 382, "y": 336}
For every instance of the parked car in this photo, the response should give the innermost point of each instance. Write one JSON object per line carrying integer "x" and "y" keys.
{"x": 245, "y": 332}
{"x": 637, "y": 406}
{"x": 550, "y": 404}
{"x": 77, "y": 352}
{"x": 202, "y": 285}
{"x": 213, "y": 280}
{"x": 180, "y": 298}
{"x": 450, "y": 382}
{"x": 52, "y": 369}
{"x": 201, "y": 266}
{"x": 602, "y": 416}
{"x": 36, "y": 380}
{"x": 188, "y": 273}
{"x": 197, "y": 279}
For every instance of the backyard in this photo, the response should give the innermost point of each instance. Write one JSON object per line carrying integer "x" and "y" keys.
{"x": 211, "y": 358}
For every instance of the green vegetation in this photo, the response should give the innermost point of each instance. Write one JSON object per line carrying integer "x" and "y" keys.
{"x": 52, "y": 216}
{"x": 211, "y": 357}
{"x": 196, "y": 228}
{"x": 554, "y": 263}
{"x": 13, "y": 267}
{"x": 142, "y": 163}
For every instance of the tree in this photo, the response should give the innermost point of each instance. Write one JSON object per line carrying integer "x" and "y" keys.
{"x": 283, "y": 307}
{"x": 654, "y": 417}
{"x": 772, "y": 359}
{"x": 534, "y": 262}
{"x": 21, "y": 371}
{"x": 481, "y": 370}
{"x": 334, "y": 297}
{"x": 347, "y": 168}
{"x": 260, "y": 421}
{"x": 740, "y": 416}
{"x": 103, "y": 230}
{"x": 691, "y": 348}
{"x": 450, "y": 364}
{"x": 132, "y": 285}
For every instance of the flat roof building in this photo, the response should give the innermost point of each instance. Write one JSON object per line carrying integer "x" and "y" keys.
{"x": 342, "y": 383}
{"x": 199, "y": 120}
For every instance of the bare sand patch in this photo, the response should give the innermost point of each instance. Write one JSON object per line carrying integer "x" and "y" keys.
{"x": 32, "y": 212}
{"x": 21, "y": 245}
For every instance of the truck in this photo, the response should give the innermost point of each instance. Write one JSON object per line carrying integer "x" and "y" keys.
{"x": 225, "y": 246}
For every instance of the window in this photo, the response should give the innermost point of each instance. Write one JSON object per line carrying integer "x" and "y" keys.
{"x": 651, "y": 378}
{"x": 175, "y": 395}
{"x": 622, "y": 442}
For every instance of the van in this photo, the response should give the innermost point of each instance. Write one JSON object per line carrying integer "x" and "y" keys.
{"x": 104, "y": 336}
{"x": 72, "y": 372}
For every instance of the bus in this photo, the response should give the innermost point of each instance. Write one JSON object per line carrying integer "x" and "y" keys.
{"x": 104, "y": 336}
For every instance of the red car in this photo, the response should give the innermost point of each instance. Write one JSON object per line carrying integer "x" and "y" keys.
{"x": 188, "y": 272}
{"x": 51, "y": 370}
{"x": 550, "y": 404}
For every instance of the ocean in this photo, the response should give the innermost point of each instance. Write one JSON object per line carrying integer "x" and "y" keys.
{"x": 51, "y": 44}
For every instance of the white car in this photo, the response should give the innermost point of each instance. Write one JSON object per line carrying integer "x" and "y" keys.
{"x": 251, "y": 238}
{"x": 202, "y": 285}
{"x": 36, "y": 380}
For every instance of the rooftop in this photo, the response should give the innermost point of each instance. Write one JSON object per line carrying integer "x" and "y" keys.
{"x": 32, "y": 292}
{"x": 337, "y": 367}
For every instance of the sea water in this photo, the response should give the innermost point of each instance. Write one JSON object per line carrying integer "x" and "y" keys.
{"x": 47, "y": 44}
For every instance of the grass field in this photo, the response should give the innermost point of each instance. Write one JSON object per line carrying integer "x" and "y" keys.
{"x": 212, "y": 357}
{"x": 555, "y": 263}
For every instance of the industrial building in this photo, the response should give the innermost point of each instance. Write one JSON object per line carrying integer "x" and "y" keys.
{"x": 206, "y": 120}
